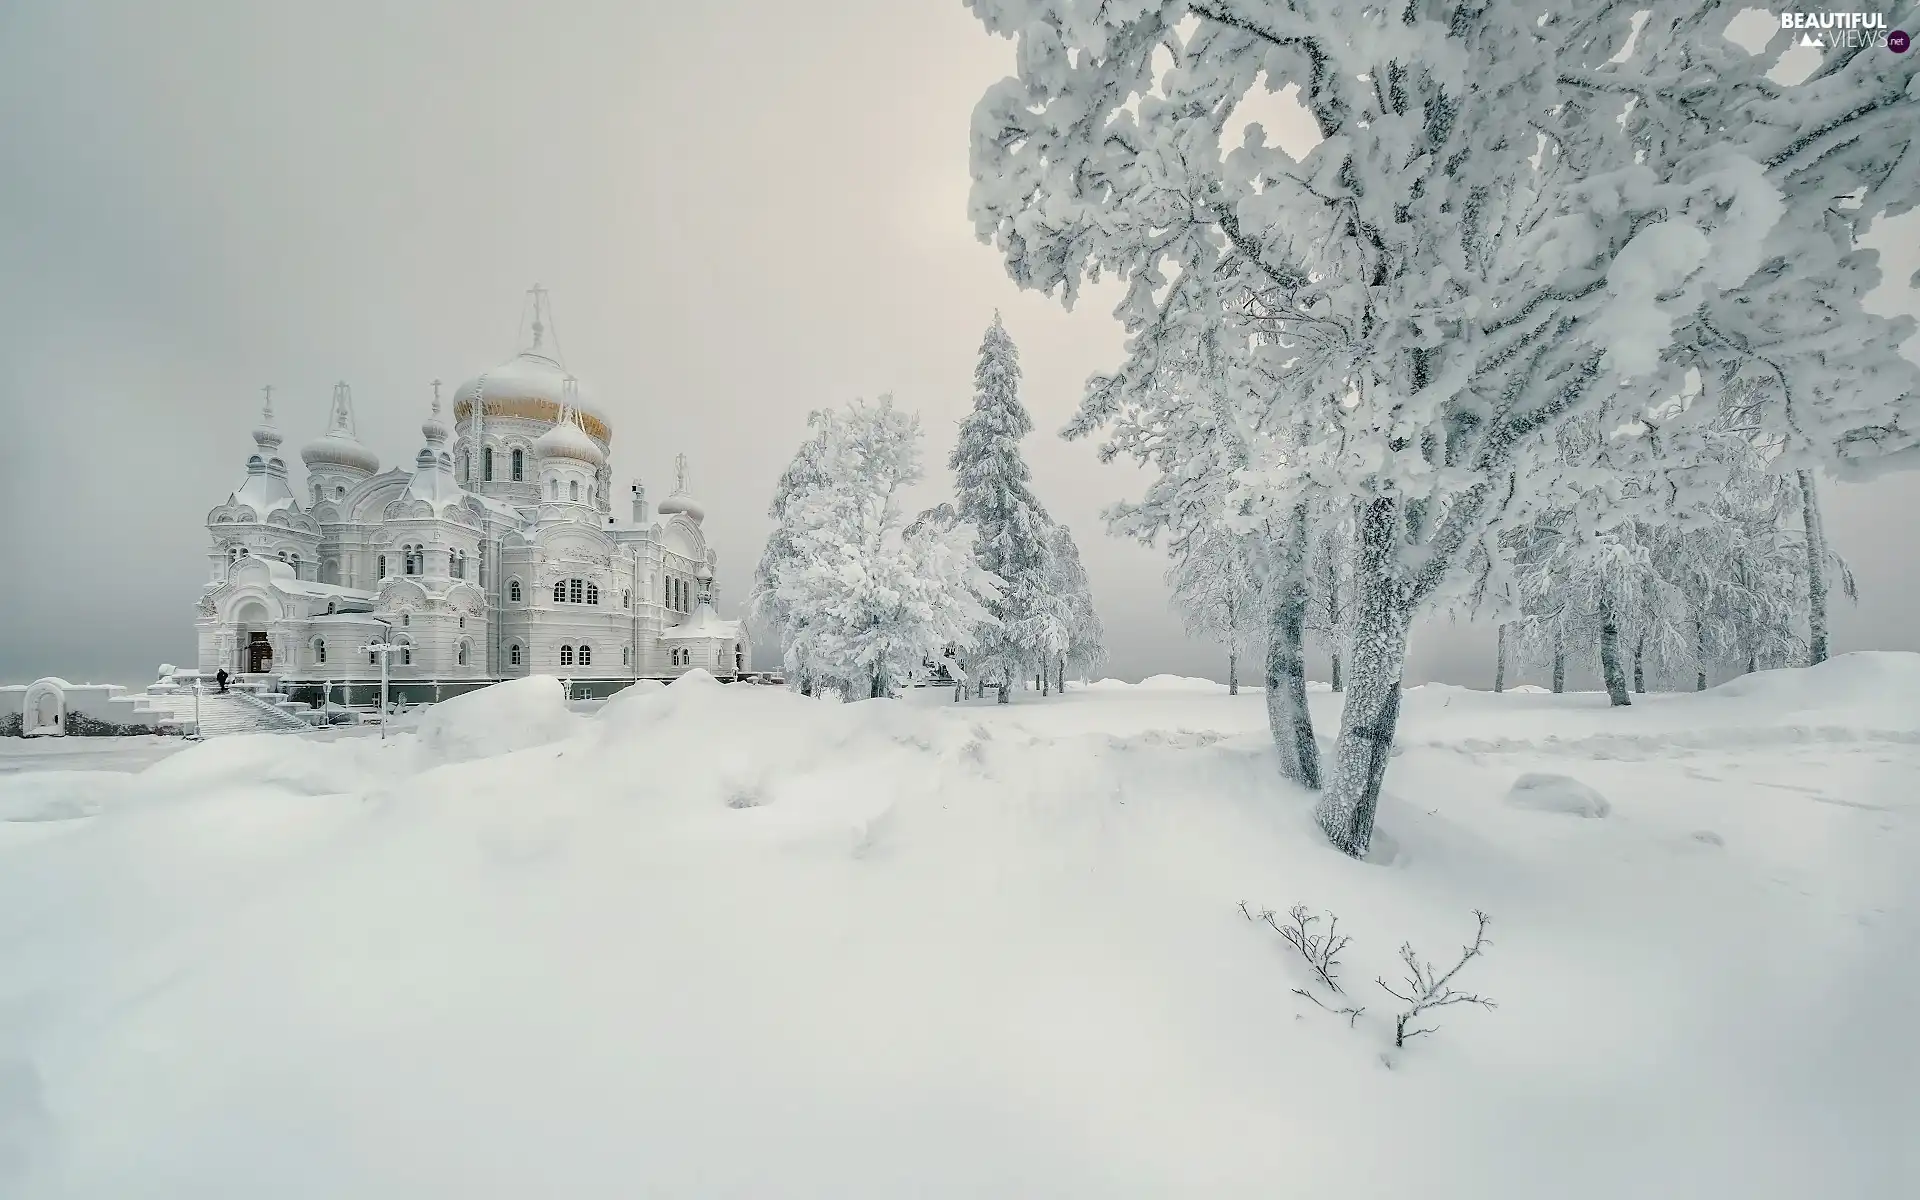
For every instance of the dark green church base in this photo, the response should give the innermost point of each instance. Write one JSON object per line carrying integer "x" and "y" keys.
{"x": 365, "y": 693}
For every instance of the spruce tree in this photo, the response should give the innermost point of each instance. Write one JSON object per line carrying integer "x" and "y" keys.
{"x": 993, "y": 493}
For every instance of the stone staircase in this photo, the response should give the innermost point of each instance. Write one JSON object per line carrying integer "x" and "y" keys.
{"x": 248, "y": 706}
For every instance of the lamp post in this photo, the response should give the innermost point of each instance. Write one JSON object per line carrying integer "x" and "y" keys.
{"x": 385, "y": 649}
{"x": 198, "y": 733}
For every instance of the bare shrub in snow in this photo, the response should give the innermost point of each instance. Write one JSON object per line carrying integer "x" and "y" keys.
{"x": 1427, "y": 990}
{"x": 1320, "y": 950}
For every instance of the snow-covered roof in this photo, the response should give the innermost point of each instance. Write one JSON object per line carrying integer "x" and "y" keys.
{"x": 434, "y": 483}
{"x": 308, "y": 587}
{"x": 704, "y": 623}
{"x": 266, "y": 489}
{"x": 499, "y": 507}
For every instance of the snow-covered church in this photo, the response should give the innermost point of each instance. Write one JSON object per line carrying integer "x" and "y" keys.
{"x": 494, "y": 554}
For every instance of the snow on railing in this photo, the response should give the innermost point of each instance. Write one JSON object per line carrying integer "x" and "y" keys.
{"x": 285, "y": 719}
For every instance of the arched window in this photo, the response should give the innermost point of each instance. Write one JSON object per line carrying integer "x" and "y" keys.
{"x": 486, "y": 464}
{"x": 340, "y": 491}
{"x": 593, "y": 592}
{"x": 320, "y": 651}
{"x": 513, "y": 590}
{"x": 553, "y": 489}
{"x": 406, "y": 655}
{"x": 739, "y": 657}
{"x": 513, "y": 654}
{"x": 566, "y": 656}
{"x": 573, "y": 489}
{"x": 463, "y": 654}
{"x": 586, "y": 655}
{"x": 453, "y": 563}
{"x": 626, "y": 655}
{"x": 406, "y": 618}
{"x": 626, "y": 599}
{"x": 465, "y": 475}
{"x": 293, "y": 560}
{"x": 372, "y": 658}
{"x": 463, "y": 622}
{"x": 517, "y": 460}
{"x": 574, "y": 591}
{"x": 233, "y": 555}
{"x": 559, "y": 591}
{"x": 282, "y": 556}
{"x": 381, "y": 570}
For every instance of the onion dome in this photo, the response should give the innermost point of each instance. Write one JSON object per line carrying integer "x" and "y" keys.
{"x": 340, "y": 446}
{"x": 703, "y": 573}
{"x": 567, "y": 440}
{"x": 532, "y": 385}
{"x": 680, "y": 501}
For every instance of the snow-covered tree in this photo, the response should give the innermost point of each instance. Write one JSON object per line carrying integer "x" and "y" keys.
{"x": 993, "y": 493}
{"x": 1215, "y": 588}
{"x": 1479, "y": 251}
{"x": 864, "y": 596}
{"x": 806, "y": 473}
{"x": 1177, "y": 411}
{"x": 1086, "y": 648}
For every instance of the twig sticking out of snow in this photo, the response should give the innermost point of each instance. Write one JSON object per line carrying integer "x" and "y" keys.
{"x": 1427, "y": 989}
{"x": 1321, "y": 950}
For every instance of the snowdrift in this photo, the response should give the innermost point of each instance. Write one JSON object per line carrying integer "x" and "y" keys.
{"x": 713, "y": 941}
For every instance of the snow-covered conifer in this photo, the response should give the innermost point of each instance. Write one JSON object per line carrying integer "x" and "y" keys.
{"x": 993, "y": 493}
{"x": 1086, "y": 648}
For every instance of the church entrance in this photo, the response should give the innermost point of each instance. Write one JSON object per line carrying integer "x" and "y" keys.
{"x": 259, "y": 657}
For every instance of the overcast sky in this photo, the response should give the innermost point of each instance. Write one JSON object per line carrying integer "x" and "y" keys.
{"x": 743, "y": 211}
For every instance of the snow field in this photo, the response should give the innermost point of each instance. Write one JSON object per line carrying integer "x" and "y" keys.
{"x": 728, "y": 941}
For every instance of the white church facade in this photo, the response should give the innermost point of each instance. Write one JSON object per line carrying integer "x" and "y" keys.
{"x": 494, "y": 554}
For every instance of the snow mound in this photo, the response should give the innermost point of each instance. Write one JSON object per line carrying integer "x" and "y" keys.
{"x": 516, "y": 715}
{"x": 1179, "y": 683}
{"x": 1886, "y": 681}
{"x": 1546, "y": 792}
{"x": 59, "y": 795}
{"x": 1531, "y": 689}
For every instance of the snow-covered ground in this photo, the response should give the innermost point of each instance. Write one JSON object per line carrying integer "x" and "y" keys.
{"x": 728, "y": 942}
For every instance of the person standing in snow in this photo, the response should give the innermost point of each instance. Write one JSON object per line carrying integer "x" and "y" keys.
{"x": 220, "y": 677}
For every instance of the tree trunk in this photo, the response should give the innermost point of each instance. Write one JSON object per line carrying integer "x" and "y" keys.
{"x": 1382, "y": 619}
{"x": 1338, "y": 683}
{"x": 1500, "y": 660}
{"x": 879, "y": 686}
{"x": 1287, "y": 716}
{"x": 1060, "y": 680}
{"x": 1639, "y": 665}
{"x": 1816, "y": 569}
{"x": 1610, "y": 658}
{"x": 1233, "y": 673}
{"x": 1559, "y": 667}
{"x": 1006, "y": 690}
{"x": 1752, "y": 662}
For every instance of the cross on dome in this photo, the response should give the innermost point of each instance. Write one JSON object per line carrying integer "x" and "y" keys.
{"x": 266, "y": 434}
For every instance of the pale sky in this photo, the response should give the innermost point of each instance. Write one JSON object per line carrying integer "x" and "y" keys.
{"x": 743, "y": 211}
